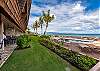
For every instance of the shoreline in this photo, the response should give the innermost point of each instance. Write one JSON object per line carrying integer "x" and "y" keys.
{"x": 77, "y": 35}
{"x": 91, "y": 48}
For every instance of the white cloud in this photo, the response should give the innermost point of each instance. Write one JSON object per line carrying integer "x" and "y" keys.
{"x": 99, "y": 16}
{"x": 70, "y": 18}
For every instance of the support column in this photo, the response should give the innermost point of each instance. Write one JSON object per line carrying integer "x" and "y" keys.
{"x": 14, "y": 31}
{"x": 1, "y": 31}
{"x": 0, "y": 27}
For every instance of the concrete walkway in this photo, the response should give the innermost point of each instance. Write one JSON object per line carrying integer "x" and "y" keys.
{"x": 6, "y": 53}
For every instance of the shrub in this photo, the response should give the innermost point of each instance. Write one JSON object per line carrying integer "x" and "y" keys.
{"x": 81, "y": 61}
{"x": 23, "y": 42}
{"x": 45, "y": 36}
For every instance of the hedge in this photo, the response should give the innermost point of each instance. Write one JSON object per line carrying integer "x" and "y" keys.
{"x": 83, "y": 62}
{"x": 45, "y": 36}
{"x": 23, "y": 42}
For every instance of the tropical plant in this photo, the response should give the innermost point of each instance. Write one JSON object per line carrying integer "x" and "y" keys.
{"x": 23, "y": 42}
{"x": 47, "y": 18}
{"x": 81, "y": 61}
{"x": 41, "y": 23}
{"x": 36, "y": 25}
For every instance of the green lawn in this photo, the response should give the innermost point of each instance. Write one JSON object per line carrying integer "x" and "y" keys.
{"x": 36, "y": 58}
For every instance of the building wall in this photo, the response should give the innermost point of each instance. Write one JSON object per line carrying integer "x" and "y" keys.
{"x": 13, "y": 10}
{"x": 8, "y": 27}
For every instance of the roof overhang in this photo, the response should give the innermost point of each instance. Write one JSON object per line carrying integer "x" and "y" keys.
{"x": 2, "y": 11}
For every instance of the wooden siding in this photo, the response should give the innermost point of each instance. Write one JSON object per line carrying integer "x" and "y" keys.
{"x": 19, "y": 14}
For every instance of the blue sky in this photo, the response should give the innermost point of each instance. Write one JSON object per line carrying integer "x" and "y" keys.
{"x": 71, "y": 16}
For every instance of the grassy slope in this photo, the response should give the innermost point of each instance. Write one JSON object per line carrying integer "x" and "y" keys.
{"x": 37, "y": 58}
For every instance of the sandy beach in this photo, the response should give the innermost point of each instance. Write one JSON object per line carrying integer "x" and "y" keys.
{"x": 96, "y": 43}
{"x": 89, "y": 46}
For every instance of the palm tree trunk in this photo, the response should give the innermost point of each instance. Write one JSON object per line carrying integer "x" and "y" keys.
{"x": 41, "y": 30}
{"x": 46, "y": 28}
{"x": 36, "y": 31}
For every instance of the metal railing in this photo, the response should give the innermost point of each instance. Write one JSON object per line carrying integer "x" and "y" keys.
{"x": 7, "y": 41}
{"x": 1, "y": 46}
{"x": 10, "y": 40}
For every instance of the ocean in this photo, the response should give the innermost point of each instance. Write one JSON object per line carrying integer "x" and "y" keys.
{"x": 84, "y": 35}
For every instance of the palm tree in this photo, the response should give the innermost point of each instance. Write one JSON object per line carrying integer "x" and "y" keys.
{"x": 27, "y": 30}
{"x": 41, "y": 23}
{"x": 36, "y": 25}
{"x": 33, "y": 27}
{"x": 47, "y": 18}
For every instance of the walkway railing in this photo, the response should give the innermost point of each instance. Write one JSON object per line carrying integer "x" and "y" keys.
{"x": 1, "y": 46}
{"x": 7, "y": 41}
{"x": 10, "y": 40}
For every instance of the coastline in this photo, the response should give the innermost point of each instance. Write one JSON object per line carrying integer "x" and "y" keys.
{"x": 73, "y": 34}
{"x": 89, "y": 45}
